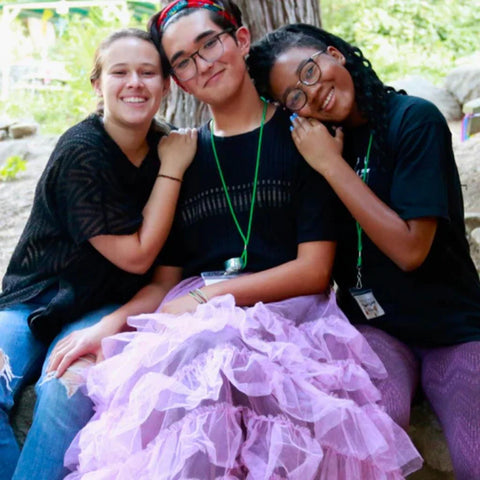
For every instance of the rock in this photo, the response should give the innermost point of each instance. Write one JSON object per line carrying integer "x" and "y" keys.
{"x": 442, "y": 98}
{"x": 5, "y": 122}
{"x": 3, "y": 135}
{"x": 20, "y": 130}
{"x": 427, "y": 435}
{"x": 22, "y": 417}
{"x": 464, "y": 81}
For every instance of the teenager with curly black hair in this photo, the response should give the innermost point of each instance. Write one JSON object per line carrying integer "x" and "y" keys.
{"x": 403, "y": 268}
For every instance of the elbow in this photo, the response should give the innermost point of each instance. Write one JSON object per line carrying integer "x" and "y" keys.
{"x": 138, "y": 265}
{"x": 411, "y": 262}
{"x": 319, "y": 281}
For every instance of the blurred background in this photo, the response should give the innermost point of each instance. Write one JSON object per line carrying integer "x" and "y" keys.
{"x": 47, "y": 46}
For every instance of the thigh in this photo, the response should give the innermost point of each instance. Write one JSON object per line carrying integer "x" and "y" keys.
{"x": 451, "y": 382}
{"x": 21, "y": 354}
{"x": 402, "y": 368}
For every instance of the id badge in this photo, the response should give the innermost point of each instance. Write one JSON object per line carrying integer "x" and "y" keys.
{"x": 367, "y": 302}
{"x": 217, "y": 276}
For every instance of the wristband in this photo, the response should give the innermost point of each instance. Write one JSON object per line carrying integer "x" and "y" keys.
{"x": 198, "y": 295}
{"x": 169, "y": 177}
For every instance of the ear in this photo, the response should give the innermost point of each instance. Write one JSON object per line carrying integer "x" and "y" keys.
{"x": 97, "y": 88}
{"x": 243, "y": 39}
{"x": 166, "y": 86}
{"x": 337, "y": 54}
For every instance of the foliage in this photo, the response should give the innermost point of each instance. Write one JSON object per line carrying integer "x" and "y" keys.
{"x": 57, "y": 107}
{"x": 407, "y": 37}
{"x": 13, "y": 165}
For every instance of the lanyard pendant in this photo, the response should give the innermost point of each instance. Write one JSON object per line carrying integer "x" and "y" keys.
{"x": 233, "y": 265}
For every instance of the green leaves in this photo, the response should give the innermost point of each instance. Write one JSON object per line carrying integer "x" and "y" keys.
{"x": 407, "y": 37}
{"x": 13, "y": 165}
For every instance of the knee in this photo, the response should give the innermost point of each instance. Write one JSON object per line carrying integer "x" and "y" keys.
{"x": 72, "y": 379}
{"x": 5, "y": 370}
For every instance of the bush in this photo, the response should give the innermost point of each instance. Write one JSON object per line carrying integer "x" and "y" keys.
{"x": 407, "y": 37}
{"x": 77, "y": 38}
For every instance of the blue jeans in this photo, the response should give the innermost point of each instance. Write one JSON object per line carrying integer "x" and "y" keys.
{"x": 61, "y": 409}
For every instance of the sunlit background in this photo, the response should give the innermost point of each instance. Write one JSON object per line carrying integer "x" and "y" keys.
{"x": 47, "y": 46}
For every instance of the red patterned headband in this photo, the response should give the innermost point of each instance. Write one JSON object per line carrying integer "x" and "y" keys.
{"x": 179, "y": 5}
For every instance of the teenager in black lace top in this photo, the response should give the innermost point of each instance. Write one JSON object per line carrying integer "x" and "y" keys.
{"x": 102, "y": 211}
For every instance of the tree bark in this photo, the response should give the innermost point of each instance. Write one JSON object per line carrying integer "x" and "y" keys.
{"x": 260, "y": 16}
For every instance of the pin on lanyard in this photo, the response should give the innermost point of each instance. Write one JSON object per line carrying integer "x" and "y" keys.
{"x": 364, "y": 177}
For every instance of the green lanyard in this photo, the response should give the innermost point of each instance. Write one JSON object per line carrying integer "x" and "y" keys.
{"x": 245, "y": 238}
{"x": 364, "y": 177}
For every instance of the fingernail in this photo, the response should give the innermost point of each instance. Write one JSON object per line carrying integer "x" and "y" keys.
{"x": 291, "y": 128}
{"x": 293, "y": 116}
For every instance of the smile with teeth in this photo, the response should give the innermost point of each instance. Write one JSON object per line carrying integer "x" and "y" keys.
{"x": 134, "y": 100}
{"x": 327, "y": 100}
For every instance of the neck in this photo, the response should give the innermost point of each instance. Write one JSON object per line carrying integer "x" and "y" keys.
{"x": 131, "y": 140}
{"x": 240, "y": 114}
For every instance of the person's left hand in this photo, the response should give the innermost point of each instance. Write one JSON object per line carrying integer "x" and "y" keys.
{"x": 315, "y": 142}
{"x": 180, "y": 305}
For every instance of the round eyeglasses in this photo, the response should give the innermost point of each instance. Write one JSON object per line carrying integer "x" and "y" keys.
{"x": 186, "y": 68}
{"x": 309, "y": 74}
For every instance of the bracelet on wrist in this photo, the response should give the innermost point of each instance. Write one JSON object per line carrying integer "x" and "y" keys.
{"x": 198, "y": 295}
{"x": 169, "y": 177}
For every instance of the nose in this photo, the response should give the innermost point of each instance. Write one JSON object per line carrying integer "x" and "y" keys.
{"x": 134, "y": 79}
{"x": 202, "y": 64}
{"x": 311, "y": 92}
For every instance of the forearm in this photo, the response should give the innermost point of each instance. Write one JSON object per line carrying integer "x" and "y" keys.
{"x": 146, "y": 300}
{"x": 307, "y": 274}
{"x": 400, "y": 240}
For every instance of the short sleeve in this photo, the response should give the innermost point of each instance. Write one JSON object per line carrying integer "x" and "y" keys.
{"x": 90, "y": 198}
{"x": 422, "y": 155}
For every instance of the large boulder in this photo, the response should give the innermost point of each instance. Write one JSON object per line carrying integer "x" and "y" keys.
{"x": 463, "y": 82}
{"x": 441, "y": 97}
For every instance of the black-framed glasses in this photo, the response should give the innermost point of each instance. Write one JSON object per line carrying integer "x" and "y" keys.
{"x": 309, "y": 74}
{"x": 186, "y": 68}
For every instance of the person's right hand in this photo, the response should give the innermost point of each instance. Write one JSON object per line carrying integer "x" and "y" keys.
{"x": 87, "y": 341}
{"x": 315, "y": 143}
{"x": 176, "y": 151}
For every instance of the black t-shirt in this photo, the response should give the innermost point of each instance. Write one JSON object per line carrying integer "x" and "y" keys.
{"x": 439, "y": 303}
{"x": 293, "y": 203}
{"x": 88, "y": 188}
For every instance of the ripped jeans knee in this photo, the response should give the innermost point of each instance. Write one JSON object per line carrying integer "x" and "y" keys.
{"x": 74, "y": 377}
{"x": 6, "y": 370}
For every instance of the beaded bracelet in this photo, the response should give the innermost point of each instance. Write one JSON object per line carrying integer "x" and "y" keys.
{"x": 169, "y": 177}
{"x": 198, "y": 295}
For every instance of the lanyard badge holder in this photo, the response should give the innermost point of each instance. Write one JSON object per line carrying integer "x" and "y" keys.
{"x": 364, "y": 296}
{"x": 233, "y": 266}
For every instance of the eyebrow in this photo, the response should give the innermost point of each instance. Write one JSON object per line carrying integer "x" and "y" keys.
{"x": 196, "y": 40}
{"x": 297, "y": 72}
{"x": 124, "y": 64}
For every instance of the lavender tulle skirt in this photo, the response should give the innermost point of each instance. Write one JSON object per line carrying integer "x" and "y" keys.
{"x": 275, "y": 391}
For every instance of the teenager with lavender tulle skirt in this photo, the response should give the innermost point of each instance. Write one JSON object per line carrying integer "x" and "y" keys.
{"x": 260, "y": 375}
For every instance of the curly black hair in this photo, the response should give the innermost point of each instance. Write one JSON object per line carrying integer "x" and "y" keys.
{"x": 370, "y": 92}
{"x": 156, "y": 34}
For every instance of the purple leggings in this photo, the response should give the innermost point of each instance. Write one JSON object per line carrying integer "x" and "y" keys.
{"x": 450, "y": 378}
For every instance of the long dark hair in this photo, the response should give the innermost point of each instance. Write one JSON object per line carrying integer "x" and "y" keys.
{"x": 370, "y": 92}
{"x": 157, "y": 33}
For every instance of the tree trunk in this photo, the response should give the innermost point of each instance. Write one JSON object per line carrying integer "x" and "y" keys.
{"x": 260, "y": 16}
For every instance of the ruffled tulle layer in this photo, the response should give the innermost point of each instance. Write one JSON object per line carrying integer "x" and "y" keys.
{"x": 276, "y": 391}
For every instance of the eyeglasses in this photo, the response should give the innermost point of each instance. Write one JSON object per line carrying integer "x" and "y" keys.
{"x": 186, "y": 68}
{"x": 309, "y": 74}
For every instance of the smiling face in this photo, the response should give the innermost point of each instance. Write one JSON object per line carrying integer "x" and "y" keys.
{"x": 215, "y": 82}
{"x": 131, "y": 83}
{"x": 330, "y": 99}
